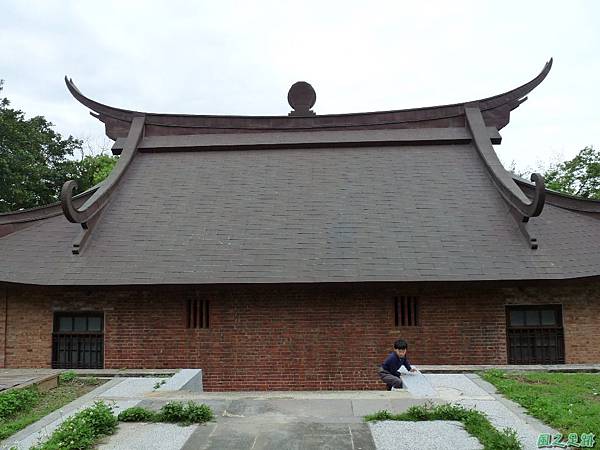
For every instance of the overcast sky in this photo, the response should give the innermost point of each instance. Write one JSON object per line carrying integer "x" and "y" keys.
{"x": 218, "y": 57}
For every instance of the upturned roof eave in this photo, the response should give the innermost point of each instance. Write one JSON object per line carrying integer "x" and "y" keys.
{"x": 495, "y": 109}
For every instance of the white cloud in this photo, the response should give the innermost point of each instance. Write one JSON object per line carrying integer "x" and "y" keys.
{"x": 241, "y": 58}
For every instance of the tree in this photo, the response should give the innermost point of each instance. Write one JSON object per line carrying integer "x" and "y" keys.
{"x": 579, "y": 176}
{"x": 35, "y": 161}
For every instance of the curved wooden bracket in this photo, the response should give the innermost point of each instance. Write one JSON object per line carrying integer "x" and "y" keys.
{"x": 509, "y": 190}
{"x": 564, "y": 201}
{"x": 521, "y": 207}
{"x": 90, "y": 209}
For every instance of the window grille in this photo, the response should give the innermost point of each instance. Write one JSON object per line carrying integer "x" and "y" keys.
{"x": 197, "y": 313}
{"x": 406, "y": 311}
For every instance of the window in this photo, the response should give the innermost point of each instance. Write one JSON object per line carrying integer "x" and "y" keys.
{"x": 533, "y": 316}
{"x": 535, "y": 334}
{"x": 196, "y": 313}
{"x": 406, "y": 311}
{"x": 78, "y": 340}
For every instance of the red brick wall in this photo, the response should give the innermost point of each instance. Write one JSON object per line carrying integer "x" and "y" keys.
{"x": 294, "y": 336}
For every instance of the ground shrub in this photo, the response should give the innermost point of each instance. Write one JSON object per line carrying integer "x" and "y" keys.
{"x": 185, "y": 413}
{"x": 195, "y": 413}
{"x": 17, "y": 400}
{"x": 475, "y": 422}
{"x": 137, "y": 414}
{"x": 67, "y": 376}
{"x": 92, "y": 381}
{"x": 172, "y": 412}
{"x": 82, "y": 430}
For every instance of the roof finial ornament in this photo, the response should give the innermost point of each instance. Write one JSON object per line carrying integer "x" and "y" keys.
{"x": 302, "y": 97}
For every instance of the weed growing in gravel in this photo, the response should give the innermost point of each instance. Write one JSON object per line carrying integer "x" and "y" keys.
{"x": 67, "y": 376}
{"x": 82, "y": 430}
{"x": 137, "y": 414}
{"x": 174, "y": 412}
{"x": 159, "y": 384}
{"x": 475, "y": 422}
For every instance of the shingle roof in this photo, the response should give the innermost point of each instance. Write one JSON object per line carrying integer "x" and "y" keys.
{"x": 405, "y": 195}
{"x": 393, "y": 213}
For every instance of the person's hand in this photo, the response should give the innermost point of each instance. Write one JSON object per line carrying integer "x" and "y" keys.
{"x": 412, "y": 369}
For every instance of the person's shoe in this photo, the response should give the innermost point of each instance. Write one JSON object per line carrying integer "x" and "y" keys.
{"x": 397, "y": 389}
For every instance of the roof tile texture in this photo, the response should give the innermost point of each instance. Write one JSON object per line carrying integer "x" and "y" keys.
{"x": 410, "y": 213}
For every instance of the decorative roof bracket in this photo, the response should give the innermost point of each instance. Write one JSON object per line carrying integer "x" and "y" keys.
{"x": 521, "y": 207}
{"x": 89, "y": 212}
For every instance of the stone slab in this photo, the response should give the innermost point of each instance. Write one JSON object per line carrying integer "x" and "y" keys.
{"x": 456, "y": 386}
{"x": 132, "y": 387}
{"x": 313, "y": 408}
{"x": 431, "y": 435}
{"x": 148, "y": 436}
{"x": 184, "y": 380}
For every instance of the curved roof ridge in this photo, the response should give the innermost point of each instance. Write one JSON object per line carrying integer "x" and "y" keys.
{"x": 496, "y": 111}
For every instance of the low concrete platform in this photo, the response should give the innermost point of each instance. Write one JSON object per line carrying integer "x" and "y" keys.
{"x": 470, "y": 368}
{"x": 271, "y": 420}
{"x": 45, "y": 379}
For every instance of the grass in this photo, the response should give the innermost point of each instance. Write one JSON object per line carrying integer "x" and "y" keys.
{"x": 475, "y": 423}
{"x": 44, "y": 404}
{"x": 569, "y": 402}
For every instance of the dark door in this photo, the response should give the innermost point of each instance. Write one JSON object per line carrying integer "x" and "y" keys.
{"x": 78, "y": 341}
{"x": 535, "y": 334}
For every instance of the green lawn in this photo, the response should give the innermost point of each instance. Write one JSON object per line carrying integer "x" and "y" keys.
{"x": 568, "y": 402}
{"x": 45, "y": 403}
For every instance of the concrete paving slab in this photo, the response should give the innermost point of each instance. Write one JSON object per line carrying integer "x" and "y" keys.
{"x": 455, "y": 386}
{"x": 200, "y": 438}
{"x": 313, "y": 408}
{"x": 148, "y": 436}
{"x": 132, "y": 387}
{"x": 305, "y": 435}
{"x": 362, "y": 407}
{"x": 432, "y": 435}
{"x": 361, "y": 437}
{"x": 245, "y": 408}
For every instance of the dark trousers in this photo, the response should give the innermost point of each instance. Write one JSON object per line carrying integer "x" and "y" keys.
{"x": 391, "y": 381}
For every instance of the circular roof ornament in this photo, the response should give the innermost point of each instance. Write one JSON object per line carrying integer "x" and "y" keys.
{"x": 302, "y": 97}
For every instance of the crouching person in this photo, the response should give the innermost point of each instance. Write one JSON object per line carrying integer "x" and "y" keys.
{"x": 389, "y": 369}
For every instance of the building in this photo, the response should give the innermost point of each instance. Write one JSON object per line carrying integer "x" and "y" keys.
{"x": 289, "y": 252}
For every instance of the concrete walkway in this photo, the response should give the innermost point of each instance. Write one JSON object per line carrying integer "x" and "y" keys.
{"x": 296, "y": 420}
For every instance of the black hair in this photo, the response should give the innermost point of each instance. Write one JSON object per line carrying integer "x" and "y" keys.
{"x": 400, "y": 344}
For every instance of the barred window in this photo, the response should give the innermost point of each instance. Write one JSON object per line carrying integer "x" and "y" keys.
{"x": 196, "y": 313}
{"x": 406, "y": 310}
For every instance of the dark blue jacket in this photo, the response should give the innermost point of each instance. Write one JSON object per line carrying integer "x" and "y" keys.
{"x": 393, "y": 362}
